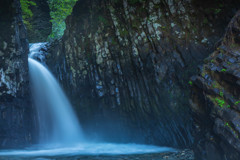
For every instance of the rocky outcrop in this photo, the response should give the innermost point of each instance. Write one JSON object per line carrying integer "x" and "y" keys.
{"x": 216, "y": 100}
{"x": 39, "y": 27}
{"x": 126, "y": 64}
{"x": 15, "y": 107}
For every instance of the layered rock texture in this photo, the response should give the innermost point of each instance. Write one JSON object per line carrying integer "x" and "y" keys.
{"x": 216, "y": 100}
{"x": 15, "y": 107}
{"x": 39, "y": 24}
{"x": 126, "y": 64}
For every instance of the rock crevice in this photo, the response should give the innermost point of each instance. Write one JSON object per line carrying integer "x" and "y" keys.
{"x": 216, "y": 100}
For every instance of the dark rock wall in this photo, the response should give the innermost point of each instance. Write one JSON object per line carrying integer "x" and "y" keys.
{"x": 126, "y": 64}
{"x": 39, "y": 25}
{"x": 216, "y": 100}
{"x": 15, "y": 107}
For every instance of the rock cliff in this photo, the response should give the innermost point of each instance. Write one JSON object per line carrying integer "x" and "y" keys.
{"x": 216, "y": 100}
{"x": 15, "y": 108}
{"x": 126, "y": 64}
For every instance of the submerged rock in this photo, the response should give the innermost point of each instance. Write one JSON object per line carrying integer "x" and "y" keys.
{"x": 216, "y": 100}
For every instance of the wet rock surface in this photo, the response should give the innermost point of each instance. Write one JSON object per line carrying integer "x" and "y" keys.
{"x": 216, "y": 100}
{"x": 126, "y": 65}
{"x": 15, "y": 108}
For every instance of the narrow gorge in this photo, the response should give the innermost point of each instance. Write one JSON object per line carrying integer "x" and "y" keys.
{"x": 147, "y": 79}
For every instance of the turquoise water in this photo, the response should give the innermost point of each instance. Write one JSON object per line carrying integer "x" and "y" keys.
{"x": 86, "y": 151}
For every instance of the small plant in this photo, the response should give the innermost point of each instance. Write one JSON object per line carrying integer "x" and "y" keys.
{"x": 214, "y": 84}
{"x": 212, "y": 61}
{"x": 190, "y": 83}
{"x": 163, "y": 27}
{"x": 114, "y": 42}
{"x": 123, "y": 32}
{"x": 27, "y": 12}
{"x": 220, "y": 102}
{"x": 236, "y": 103}
{"x": 221, "y": 94}
{"x": 228, "y": 106}
{"x": 205, "y": 21}
{"x": 218, "y": 10}
{"x": 223, "y": 70}
{"x": 226, "y": 124}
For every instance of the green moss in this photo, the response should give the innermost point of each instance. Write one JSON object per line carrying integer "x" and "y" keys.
{"x": 215, "y": 84}
{"x": 26, "y": 11}
{"x": 205, "y": 21}
{"x": 114, "y": 42}
{"x": 223, "y": 70}
{"x": 123, "y": 32}
{"x": 217, "y": 10}
{"x": 190, "y": 83}
{"x": 59, "y": 11}
{"x": 220, "y": 102}
{"x": 203, "y": 72}
{"x": 212, "y": 61}
{"x": 221, "y": 94}
{"x": 236, "y": 103}
{"x": 226, "y": 124}
{"x": 234, "y": 45}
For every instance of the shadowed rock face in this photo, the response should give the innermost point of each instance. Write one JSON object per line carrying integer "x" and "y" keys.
{"x": 216, "y": 100}
{"x": 15, "y": 107}
{"x": 126, "y": 64}
{"x": 40, "y": 26}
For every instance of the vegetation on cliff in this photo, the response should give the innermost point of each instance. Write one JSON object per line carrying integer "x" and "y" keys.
{"x": 59, "y": 11}
{"x": 215, "y": 99}
{"x": 26, "y": 11}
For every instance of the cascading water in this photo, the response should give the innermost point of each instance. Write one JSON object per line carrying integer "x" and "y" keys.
{"x": 57, "y": 121}
{"x": 60, "y": 132}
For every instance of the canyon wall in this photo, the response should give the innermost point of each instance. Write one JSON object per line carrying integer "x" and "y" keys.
{"x": 16, "y": 113}
{"x": 39, "y": 27}
{"x": 126, "y": 64}
{"x": 216, "y": 100}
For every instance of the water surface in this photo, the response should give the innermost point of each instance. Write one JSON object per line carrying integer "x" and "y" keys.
{"x": 91, "y": 150}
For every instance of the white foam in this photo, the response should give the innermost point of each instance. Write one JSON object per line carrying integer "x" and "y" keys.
{"x": 90, "y": 149}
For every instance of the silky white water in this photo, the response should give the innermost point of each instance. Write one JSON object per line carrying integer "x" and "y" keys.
{"x": 59, "y": 130}
{"x": 57, "y": 121}
{"x": 90, "y": 149}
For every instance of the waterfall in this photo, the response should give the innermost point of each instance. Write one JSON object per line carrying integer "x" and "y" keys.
{"x": 58, "y": 123}
{"x": 60, "y": 133}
